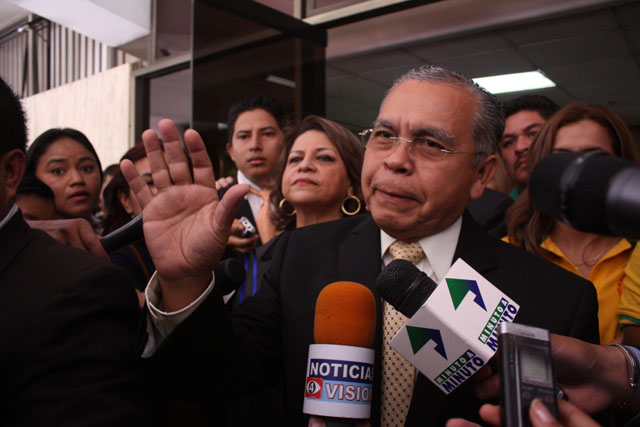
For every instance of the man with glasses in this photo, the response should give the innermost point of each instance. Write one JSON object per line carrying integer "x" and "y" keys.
{"x": 429, "y": 151}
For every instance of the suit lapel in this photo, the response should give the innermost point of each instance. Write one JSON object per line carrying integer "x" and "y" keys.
{"x": 359, "y": 254}
{"x": 474, "y": 246}
{"x": 245, "y": 210}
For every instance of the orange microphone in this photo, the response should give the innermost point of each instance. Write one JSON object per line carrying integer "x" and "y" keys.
{"x": 340, "y": 364}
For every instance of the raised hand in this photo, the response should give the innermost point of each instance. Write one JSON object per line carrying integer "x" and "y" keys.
{"x": 185, "y": 226}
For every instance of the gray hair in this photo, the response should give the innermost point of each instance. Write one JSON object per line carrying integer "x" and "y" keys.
{"x": 488, "y": 123}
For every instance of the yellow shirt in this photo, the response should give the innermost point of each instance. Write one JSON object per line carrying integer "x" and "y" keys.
{"x": 629, "y": 309}
{"x": 607, "y": 276}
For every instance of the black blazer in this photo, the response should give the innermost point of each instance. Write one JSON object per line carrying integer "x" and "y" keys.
{"x": 268, "y": 336}
{"x": 68, "y": 323}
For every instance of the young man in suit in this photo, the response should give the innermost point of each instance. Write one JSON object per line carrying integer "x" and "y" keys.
{"x": 68, "y": 319}
{"x": 254, "y": 144}
{"x": 433, "y": 149}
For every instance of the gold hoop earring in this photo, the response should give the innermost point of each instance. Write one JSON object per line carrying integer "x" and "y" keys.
{"x": 353, "y": 212}
{"x": 281, "y": 204}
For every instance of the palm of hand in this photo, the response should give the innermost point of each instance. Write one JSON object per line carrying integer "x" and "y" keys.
{"x": 180, "y": 231}
{"x": 185, "y": 226}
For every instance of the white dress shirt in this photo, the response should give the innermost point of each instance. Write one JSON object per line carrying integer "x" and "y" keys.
{"x": 254, "y": 200}
{"x": 438, "y": 249}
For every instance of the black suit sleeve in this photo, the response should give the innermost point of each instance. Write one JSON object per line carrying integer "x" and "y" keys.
{"x": 233, "y": 354}
{"x": 77, "y": 365}
{"x": 585, "y": 324}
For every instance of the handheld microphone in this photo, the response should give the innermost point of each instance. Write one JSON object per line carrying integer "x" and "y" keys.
{"x": 340, "y": 364}
{"x": 127, "y": 234}
{"x": 451, "y": 331}
{"x": 591, "y": 191}
{"x": 405, "y": 287}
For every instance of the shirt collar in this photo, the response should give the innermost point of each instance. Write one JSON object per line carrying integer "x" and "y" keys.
{"x": 438, "y": 248}
{"x": 8, "y": 216}
{"x": 242, "y": 179}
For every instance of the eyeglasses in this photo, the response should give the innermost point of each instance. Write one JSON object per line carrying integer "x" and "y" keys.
{"x": 380, "y": 139}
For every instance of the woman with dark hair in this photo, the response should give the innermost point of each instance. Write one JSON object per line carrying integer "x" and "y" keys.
{"x": 318, "y": 181}
{"x": 319, "y": 178}
{"x": 121, "y": 206}
{"x": 65, "y": 160}
{"x": 600, "y": 259}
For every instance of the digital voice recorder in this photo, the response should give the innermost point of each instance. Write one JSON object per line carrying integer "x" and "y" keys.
{"x": 526, "y": 372}
{"x": 249, "y": 228}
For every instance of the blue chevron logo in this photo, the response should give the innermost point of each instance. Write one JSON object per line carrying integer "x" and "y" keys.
{"x": 418, "y": 337}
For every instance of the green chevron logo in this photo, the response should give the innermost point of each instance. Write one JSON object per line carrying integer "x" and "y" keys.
{"x": 459, "y": 288}
{"x": 420, "y": 336}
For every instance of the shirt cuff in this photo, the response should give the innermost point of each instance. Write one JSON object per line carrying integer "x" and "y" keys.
{"x": 161, "y": 323}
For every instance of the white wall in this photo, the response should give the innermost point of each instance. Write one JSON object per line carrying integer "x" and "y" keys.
{"x": 100, "y": 106}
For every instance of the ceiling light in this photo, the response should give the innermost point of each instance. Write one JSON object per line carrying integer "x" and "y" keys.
{"x": 515, "y": 82}
{"x": 280, "y": 81}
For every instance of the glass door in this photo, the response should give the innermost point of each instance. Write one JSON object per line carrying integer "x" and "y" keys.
{"x": 241, "y": 48}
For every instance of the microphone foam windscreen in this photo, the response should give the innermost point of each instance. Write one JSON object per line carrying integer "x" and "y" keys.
{"x": 587, "y": 201}
{"x": 586, "y": 177}
{"x": 544, "y": 181}
{"x": 345, "y": 315}
{"x": 405, "y": 287}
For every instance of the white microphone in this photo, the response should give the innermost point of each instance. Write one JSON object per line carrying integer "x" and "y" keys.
{"x": 452, "y": 327}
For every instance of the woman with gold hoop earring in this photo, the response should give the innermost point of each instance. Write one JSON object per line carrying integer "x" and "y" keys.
{"x": 319, "y": 181}
{"x": 319, "y": 178}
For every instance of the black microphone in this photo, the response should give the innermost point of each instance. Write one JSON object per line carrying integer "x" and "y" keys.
{"x": 405, "y": 287}
{"x": 123, "y": 236}
{"x": 593, "y": 192}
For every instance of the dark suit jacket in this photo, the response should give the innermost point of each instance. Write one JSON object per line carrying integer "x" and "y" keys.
{"x": 268, "y": 336}
{"x": 253, "y": 263}
{"x": 68, "y": 323}
{"x": 490, "y": 212}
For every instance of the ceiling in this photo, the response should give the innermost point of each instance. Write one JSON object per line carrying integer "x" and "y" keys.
{"x": 591, "y": 53}
{"x": 589, "y": 48}
{"x": 10, "y": 14}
